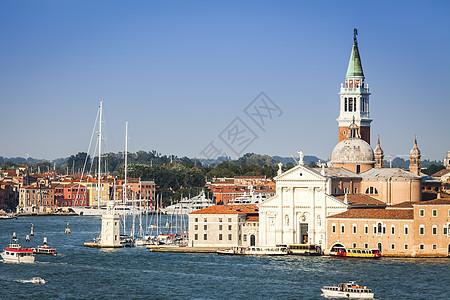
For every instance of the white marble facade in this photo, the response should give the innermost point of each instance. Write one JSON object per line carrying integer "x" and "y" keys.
{"x": 297, "y": 213}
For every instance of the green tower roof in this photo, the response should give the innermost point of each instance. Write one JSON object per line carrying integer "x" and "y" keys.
{"x": 354, "y": 69}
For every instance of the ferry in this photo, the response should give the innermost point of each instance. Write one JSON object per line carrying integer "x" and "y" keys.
{"x": 16, "y": 254}
{"x": 267, "y": 251}
{"x": 356, "y": 253}
{"x": 305, "y": 249}
{"x": 349, "y": 290}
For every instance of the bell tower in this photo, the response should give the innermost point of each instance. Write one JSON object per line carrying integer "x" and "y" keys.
{"x": 414, "y": 159}
{"x": 354, "y": 97}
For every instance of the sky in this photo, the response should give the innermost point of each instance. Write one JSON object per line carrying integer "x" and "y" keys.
{"x": 188, "y": 75}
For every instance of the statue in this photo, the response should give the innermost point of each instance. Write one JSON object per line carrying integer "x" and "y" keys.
{"x": 300, "y": 155}
{"x": 279, "y": 168}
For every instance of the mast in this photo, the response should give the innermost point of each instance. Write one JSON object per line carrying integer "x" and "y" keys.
{"x": 126, "y": 164}
{"x": 99, "y": 153}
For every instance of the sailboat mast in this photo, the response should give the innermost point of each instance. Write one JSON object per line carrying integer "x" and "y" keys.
{"x": 126, "y": 164}
{"x": 99, "y": 153}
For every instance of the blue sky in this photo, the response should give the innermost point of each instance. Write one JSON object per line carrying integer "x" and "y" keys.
{"x": 181, "y": 71}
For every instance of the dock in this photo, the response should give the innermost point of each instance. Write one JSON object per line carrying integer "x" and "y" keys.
{"x": 182, "y": 249}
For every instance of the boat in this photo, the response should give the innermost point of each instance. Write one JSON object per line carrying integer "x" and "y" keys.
{"x": 37, "y": 280}
{"x": 349, "y": 290}
{"x": 8, "y": 217}
{"x": 186, "y": 205}
{"x": 355, "y": 253}
{"x": 45, "y": 249}
{"x": 16, "y": 253}
{"x": 305, "y": 249}
{"x": 254, "y": 250}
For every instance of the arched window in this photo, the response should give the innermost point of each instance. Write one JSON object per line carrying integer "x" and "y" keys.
{"x": 379, "y": 228}
{"x": 371, "y": 191}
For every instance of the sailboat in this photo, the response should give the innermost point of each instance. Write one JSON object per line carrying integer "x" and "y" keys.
{"x": 100, "y": 209}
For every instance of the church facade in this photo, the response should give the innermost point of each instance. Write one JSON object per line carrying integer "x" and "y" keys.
{"x": 306, "y": 198}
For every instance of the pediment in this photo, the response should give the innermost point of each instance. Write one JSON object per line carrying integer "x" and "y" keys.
{"x": 300, "y": 173}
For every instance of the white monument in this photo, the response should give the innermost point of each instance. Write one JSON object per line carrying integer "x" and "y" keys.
{"x": 110, "y": 236}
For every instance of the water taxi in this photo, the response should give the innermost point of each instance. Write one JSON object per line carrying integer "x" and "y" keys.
{"x": 16, "y": 254}
{"x": 355, "y": 253}
{"x": 305, "y": 249}
{"x": 45, "y": 249}
{"x": 348, "y": 290}
{"x": 37, "y": 280}
{"x": 268, "y": 251}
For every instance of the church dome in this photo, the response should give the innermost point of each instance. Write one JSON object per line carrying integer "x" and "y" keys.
{"x": 352, "y": 151}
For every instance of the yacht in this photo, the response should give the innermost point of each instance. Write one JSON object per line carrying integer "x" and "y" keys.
{"x": 349, "y": 290}
{"x": 16, "y": 254}
{"x": 186, "y": 205}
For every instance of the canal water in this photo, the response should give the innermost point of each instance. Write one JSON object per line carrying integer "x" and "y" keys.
{"x": 80, "y": 273}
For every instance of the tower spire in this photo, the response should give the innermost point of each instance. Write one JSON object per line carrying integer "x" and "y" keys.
{"x": 354, "y": 97}
{"x": 354, "y": 69}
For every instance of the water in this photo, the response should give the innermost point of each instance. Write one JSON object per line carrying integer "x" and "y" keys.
{"x": 79, "y": 272}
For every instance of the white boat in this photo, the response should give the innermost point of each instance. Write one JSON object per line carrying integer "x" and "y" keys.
{"x": 37, "y": 280}
{"x": 252, "y": 198}
{"x": 7, "y": 217}
{"x": 254, "y": 250}
{"x": 186, "y": 205}
{"x": 350, "y": 290}
{"x": 44, "y": 249}
{"x": 16, "y": 253}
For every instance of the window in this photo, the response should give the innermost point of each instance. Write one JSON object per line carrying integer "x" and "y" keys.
{"x": 434, "y": 212}
{"x": 196, "y": 227}
{"x": 380, "y": 228}
{"x": 205, "y": 236}
{"x": 371, "y": 191}
{"x": 392, "y": 229}
{"x": 406, "y": 246}
{"x": 422, "y": 230}
{"x": 196, "y": 236}
{"x": 229, "y": 237}
{"x": 354, "y": 229}
{"x": 333, "y": 228}
{"x": 434, "y": 230}
{"x": 354, "y": 245}
{"x": 229, "y": 219}
{"x": 422, "y": 246}
{"x": 205, "y": 227}
{"x": 220, "y": 236}
{"x": 445, "y": 230}
{"x": 343, "y": 228}
{"x": 229, "y": 227}
{"x": 384, "y": 229}
{"x": 422, "y": 212}
{"x": 196, "y": 220}
{"x": 220, "y": 227}
{"x": 392, "y": 246}
{"x": 406, "y": 229}
{"x": 346, "y": 105}
{"x": 245, "y": 237}
{"x": 366, "y": 246}
{"x": 366, "y": 229}
{"x": 205, "y": 220}
{"x": 220, "y": 219}
{"x": 434, "y": 246}
{"x": 345, "y": 190}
